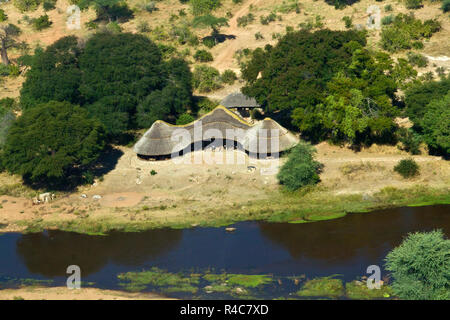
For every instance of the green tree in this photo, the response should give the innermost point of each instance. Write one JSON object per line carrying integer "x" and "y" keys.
{"x": 119, "y": 71}
{"x": 200, "y": 7}
{"x": 54, "y": 75}
{"x": 108, "y": 10}
{"x": 436, "y": 125}
{"x": 420, "y": 267}
{"x": 8, "y": 39}
{"x": 185, "y": 118}
{"x": 300, "y": 169}
{"x": 52, "y": 143}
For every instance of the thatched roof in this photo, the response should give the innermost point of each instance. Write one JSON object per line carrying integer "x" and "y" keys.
{"x": 239, "y": 100}
{"x": 164, "y": 139}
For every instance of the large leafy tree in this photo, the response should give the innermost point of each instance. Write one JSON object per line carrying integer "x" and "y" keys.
{"x": 436, "y": 125}
{"x": 295, "y": 73}
{"x": 51, "y": 143}
{"x": 54, "y": 75}
{"x": 420, "y": 267}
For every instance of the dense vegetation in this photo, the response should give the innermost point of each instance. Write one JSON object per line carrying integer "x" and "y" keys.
{"x": 120, "y": 79}
{"x": 52, "y": 143}
{"x": 407, "y": 168}
{"x": 300, "y": 169}
{"x": 328, "y": 84}
{"x": 420, "y": 267}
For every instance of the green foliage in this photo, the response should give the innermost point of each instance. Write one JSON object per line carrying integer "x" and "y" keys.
{"x": 420, "y": 267}
{"x": 26, "y": 5}
{"x": 185, "y": 118}
{"x": 109, "y": 10}
{"x": 322, "y": 287}
{"x": 388, "y": 8}
{"x": 49, "y": 5}
{"x": 54, "y": 75}
{"x": 413, "y": 4}
{"x": 265, "y": 20}
{"x": 419, "y": 95}
{"x": 300, "y": 169}
{"x": 406, "y": 32}
{"x": 3, "y": 15}
{"x": 340, "y": 4}
{"x": 387, "y": 19}
{"x": 203, "y": 56}
{"x": 41, "y": 23}
{"x": 200, "y": 7}
{"x": 436, "y": 125}
{"x": 416, "y": 59}
{"x": 206, "y": 79}
{"x": 111, "y": 76}
{"x": 348, "y": 22}
{"x": 228, "y": 77}
{"x": 445, "y": 5}
{"x": 407, "y": 168}
{"x": 50, "y": 142}
{"x": 410, "y": 140}
{"x": 245, "y": 20}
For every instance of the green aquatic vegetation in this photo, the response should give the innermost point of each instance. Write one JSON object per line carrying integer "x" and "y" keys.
{"x": 322, "y": 287}
{"x": 248, "y": 281}
{"x": 358, "y": 290}
{"x": 172, "y": 282}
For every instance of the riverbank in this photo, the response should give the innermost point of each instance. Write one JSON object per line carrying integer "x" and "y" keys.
{"x": 62, "y": 293}
{"x": 138, "y": 195}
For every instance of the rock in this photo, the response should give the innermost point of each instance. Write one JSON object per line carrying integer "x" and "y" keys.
{"x": 251, "y": 169}
{"x": 96, "y": 197}
{"x": 230, "y": 229}
{"x": 83, "y": 195}
{"x": 239, "y": 290}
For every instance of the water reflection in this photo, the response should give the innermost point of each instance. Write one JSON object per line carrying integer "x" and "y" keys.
{"x": 50, "y": 253}
{"x": 365, "y": 236}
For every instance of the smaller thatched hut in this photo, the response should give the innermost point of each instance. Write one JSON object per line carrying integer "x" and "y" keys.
{"x": 238, "y": 100}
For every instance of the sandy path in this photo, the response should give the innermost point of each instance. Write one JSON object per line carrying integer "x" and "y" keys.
{"x": 225, "y": 58}
{"x": 62, "y": 293}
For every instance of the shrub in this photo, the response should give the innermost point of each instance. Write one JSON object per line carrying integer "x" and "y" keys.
{"x": 245, "y": 20}
{"x": 26, "y": 5}
{"x": 420, "y": 267}
{"x": 228, "y": 77}
{"x": 209, "y": 42}
{"x": 416, "y": 59}
{"x": 49, "y": 5}
{"x": 348, "y": 21}
{"x": 3, "y": 15}
{"x": 259, "y": 36}
{"x": 41, "y": 23}
{"x": 185, "y": 118}
{"x": 407, "y": 168}
{"x": 300, "y": 169}
{"x": 388, "y": 8}
{"x": 206, "y": 79}
{"x": 387, "y": 20}
{"x": 414, "y": 4}
{"x": 410, "y": 140}
{"x": 435, "y": 125}
{"x": 265, "y": 20}
{"x": 445, "y": 5}
{"x": 203, "y": 56}
{"x": 200, "y": 7}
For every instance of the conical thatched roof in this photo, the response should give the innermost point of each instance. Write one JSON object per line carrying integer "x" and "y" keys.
{"x": 163, "y": 139}
{"x": 239, "y": 100}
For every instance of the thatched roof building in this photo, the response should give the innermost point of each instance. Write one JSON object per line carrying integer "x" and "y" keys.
{"x": 265, "y": 137}
{"x": 239, "y": 100}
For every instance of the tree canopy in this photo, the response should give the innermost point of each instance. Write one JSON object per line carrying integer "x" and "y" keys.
{"x": 420, "y": 267}
{"x": 51, "y": 142}
{"x": 110, "y": 76}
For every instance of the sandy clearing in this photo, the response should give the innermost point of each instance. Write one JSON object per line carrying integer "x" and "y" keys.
{"x": 62, "y": 293}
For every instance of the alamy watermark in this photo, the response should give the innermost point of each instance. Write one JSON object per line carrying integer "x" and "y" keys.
{"x": 74, "y": 280}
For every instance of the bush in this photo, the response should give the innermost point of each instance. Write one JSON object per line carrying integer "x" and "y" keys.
{"x": 41, "y": 23}
{"x": 435, "y": 125}
{"x": 206, "y": 79}
{"x": 420, "y": 267}
{"x": 3, "y": 15}
{"x": 406, "y": 32}
{"x": 203, "y": 56}
{"x": 300, "y": 169}
{"x": 416, "y": 59}
{"x": 407, "y": 168}
{"x": 348, "y": 22}
{"x": 245, "y": 20}
{"x": 49, "y": 5}
{"x": 414, "y": 4}
{"x": 387, "y": 20}
{"x": 228, "y": 77}
{"x": 200, "y": 7}
{"x": 26, "y": 5}
{"x": 185, "y": 118}
{"x": 388, "y": 8}
{"x": 410, "y": 140}
{"x": 445, "y": 5}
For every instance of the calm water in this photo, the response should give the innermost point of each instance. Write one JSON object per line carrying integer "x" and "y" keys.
{"x": 344, "y": 246}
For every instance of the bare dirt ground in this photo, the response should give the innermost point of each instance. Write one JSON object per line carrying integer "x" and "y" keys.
{"x": 179, "y": 189}
{"x": 62, "y": 293}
